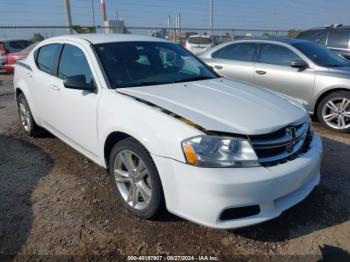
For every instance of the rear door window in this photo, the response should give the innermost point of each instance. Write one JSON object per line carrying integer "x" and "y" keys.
{"x": 276, "y": 55}
{"x": 46, "y": 58}
{"x": 339, "y": 38}
{"x": 239, "y": 52}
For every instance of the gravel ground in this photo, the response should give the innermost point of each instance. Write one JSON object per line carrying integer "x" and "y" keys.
{"x": 55, "y": 202}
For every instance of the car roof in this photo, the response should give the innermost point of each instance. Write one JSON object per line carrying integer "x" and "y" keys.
{"x": 199, "y": 35}
{"x": 330, "y": 27}
{"x": 108, "y": 38}
{"x": 288, "y": 41}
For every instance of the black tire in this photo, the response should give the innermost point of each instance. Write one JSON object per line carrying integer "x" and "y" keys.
{"x": 156, "y": 204}
{"x": 32, "y": 129}
{"x": 335, "y": 96}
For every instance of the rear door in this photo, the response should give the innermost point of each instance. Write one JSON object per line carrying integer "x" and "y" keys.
{"x": 43, "y": 79}
{"x": 235, "y": 61}
{"x": 273, "y": 71}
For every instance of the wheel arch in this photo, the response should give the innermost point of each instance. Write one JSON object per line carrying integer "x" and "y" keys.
{"x": 109, "y": 143}
{"x": 112, "y": 139}
{"x": 21, "y": 87}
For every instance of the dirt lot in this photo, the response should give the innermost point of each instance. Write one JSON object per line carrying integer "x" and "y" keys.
{"x": 54, "y": 201}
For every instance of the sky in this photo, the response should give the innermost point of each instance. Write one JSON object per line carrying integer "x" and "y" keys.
{"x": 256, "y": 14}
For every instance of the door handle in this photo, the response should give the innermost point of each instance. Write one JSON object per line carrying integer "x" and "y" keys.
{"x": 218, "y": 67}
{"x": 29, "y": 75}
{"x": 260, "y": 72}
{"x": 55, "y": 87}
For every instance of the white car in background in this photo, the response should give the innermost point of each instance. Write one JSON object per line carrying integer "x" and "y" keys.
{"x": 170, "y": 131}
{"x": 198, "y": 44}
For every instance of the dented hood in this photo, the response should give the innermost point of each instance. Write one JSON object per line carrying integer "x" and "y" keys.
{"x": 223, "y": 105}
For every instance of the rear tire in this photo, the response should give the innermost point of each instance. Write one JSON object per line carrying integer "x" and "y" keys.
{"x": 135, "y": 179}
{"x": 26, "y": 118}
{"x": 334, "y": 111}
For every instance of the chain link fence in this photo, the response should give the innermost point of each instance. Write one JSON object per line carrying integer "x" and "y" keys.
{"x": 39, "y": 33}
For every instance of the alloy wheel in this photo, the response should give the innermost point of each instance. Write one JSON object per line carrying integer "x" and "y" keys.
{"x": 24, "y": 113}
{"x": 336, "y": 113}
{"x": 132, "y": 179}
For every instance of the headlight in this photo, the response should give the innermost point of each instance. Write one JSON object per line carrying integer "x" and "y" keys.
{"x": 219, "y": 151}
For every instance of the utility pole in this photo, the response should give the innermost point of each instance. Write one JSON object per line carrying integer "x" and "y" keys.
{"x": 93, "y": 13}
{"x": 68, "y": 16}
{"x": 211, "y": 16}
{"x": 104, "y": 15}
{"x": 179, "y": 22}
{"x": 169, "y": 22}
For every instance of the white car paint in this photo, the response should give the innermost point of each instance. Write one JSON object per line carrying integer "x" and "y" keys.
{"x": 198, "y": 48}
{"x": 85, "y": 120}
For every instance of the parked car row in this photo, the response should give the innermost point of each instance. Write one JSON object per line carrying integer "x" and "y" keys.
{"x": 316, "y": 76}
{"x": 11, "y": 50}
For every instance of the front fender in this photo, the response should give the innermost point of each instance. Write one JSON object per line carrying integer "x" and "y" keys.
{"x": 160, "y": 133}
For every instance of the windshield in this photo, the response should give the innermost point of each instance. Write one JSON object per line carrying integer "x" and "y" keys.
{"x": 321, "y": 55}
{"x": 131, "y": 64}
{"x": 197, "y": 40}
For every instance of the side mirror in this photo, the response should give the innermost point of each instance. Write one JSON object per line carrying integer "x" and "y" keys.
{"x": 78, "y": 82}
{"x": 301, "y": 64}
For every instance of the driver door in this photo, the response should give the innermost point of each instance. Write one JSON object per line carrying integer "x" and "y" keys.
{"x": 75, "y": 114}
{"x": 273, "y": 71}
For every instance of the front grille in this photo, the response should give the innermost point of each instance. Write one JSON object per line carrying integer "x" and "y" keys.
{"x": 282, "y": 145}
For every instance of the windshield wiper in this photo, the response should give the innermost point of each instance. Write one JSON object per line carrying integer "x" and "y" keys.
{"x": 337, "y": 65}
{"x": 197, "y": 78}
{"x": 145, "y": 83}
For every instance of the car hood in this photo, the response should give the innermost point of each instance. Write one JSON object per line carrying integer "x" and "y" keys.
{"x": 223, "y": 105}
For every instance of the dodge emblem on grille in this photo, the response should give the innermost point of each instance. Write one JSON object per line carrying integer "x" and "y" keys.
{"x": 291, "y": 132}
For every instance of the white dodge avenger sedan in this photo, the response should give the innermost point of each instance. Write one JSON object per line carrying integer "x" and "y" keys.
{"x": 171, "y": 133}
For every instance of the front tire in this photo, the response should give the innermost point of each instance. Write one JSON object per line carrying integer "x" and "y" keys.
{"x": 25, "y": 115}
{"x": 334, "y": 111}
{"x": 136, "y": 179}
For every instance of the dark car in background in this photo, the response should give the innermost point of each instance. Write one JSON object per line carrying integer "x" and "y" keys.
{"x": 335, "y": 37}
{"x": 11, "y": 46}
{"x": 11, "y": 58}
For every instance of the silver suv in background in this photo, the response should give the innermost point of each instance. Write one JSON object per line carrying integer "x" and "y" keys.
{"x": 335, "y": 37}
{"x": 309, "y": 72}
